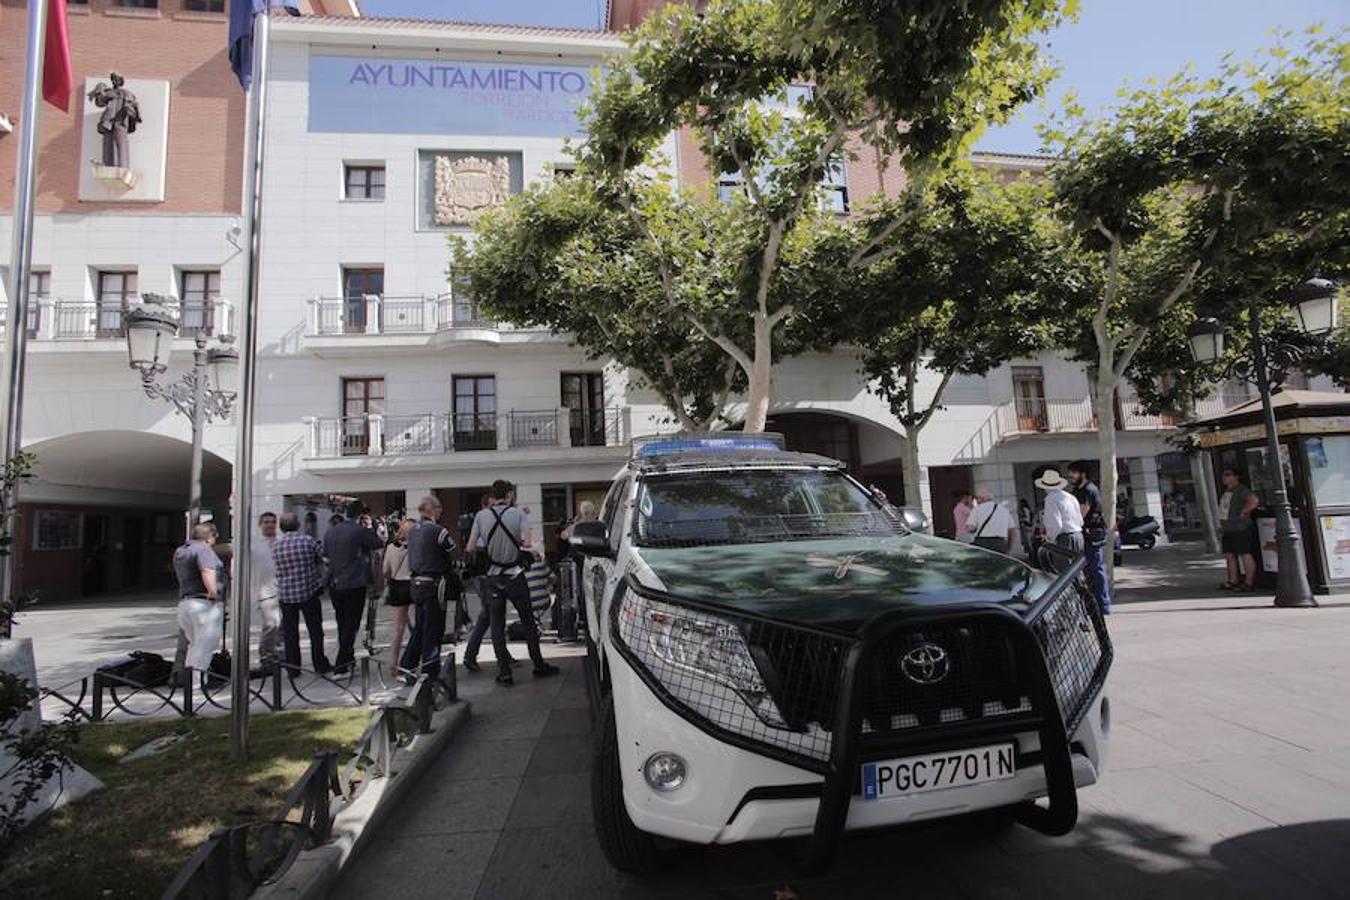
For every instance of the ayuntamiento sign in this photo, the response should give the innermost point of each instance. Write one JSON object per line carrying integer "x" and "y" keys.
{"x": 387, "y": 95}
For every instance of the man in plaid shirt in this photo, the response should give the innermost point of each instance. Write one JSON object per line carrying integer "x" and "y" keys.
{"x": 299, "y": 566}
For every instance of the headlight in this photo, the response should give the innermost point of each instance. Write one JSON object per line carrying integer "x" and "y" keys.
{"x": 692, "y": 653}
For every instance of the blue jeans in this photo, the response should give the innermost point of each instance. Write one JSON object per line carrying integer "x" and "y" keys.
{"x": 1095, "y": 569}
{"x": 424, "y": 643}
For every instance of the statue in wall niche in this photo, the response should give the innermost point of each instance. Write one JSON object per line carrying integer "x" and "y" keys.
{"x": 121, "y": 115}
{"x": 468, "y": 187}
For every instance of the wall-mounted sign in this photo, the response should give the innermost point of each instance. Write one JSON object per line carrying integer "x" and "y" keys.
{"x": 1336, "y": 538}
{"x": 1270, "y": 550}
{"x": 387, "y": 95}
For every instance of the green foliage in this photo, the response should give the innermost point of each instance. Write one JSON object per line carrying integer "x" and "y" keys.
{"x": 32, "y": 758}
{"x": 1205, "y": 197}
{"x": 14, "y": 472}
{"x": 958, "y": 292}
{"x": 703, "y": 296}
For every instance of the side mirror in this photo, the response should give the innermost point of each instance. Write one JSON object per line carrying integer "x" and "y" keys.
{"x": 590, "y": 538}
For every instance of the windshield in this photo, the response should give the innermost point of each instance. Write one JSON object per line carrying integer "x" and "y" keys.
{"x": 750, "y": 505}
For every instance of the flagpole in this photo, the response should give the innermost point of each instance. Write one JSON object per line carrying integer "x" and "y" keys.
{"x": 248, "y": 351}
{"x": 21, "y": 264}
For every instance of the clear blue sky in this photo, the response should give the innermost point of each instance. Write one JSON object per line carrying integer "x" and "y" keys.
{"x": 1112, "y": 42}
{"x": 558, "y": 13}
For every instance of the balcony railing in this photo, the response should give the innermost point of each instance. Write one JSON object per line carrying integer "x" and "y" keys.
{"x": 377, "y": 314}
{"x": 1037, "y": 416}
{"x": 83, "y": 320}
{"x": 377, "y": 434}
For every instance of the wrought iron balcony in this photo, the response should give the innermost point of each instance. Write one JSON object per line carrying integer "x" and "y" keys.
{"x": 53, "y": 319}
{"x": 386, "y": 314}
{"x": 378, "y": 434}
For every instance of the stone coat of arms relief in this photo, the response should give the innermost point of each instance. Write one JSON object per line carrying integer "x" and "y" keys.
{"x": 468, "y": 187}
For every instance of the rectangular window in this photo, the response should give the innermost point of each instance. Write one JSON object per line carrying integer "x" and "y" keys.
{"x": 361, "y": 397}
{"x": 116, "y": 292}
{"x": 563, "y": 170}
{"x": 583, "y": 396}
{"x": 474, "y": 416}
{"x": 729, "y": 185}
{"x": 363, "y": 182}
{"x": 39, "y": 291}
{"x": 835, "y": 185}
{"x": 139, "y": 4}
{"x": 356, "y": 284}
{"x": 198, "y": 291}
{"x": 57, "y": 529}
{"x": 1029, "y": 398}
{"x": 212, "y": 6}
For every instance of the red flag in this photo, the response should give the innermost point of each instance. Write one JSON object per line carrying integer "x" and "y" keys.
{"x": 56, "y": 76}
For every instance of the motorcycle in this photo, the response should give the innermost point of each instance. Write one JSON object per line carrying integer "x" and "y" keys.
{"x": 1139, "y": 531}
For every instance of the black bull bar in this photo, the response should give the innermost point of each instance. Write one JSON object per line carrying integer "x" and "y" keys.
{"x": 1060, "y": 814}
{"x": 849, "y": 744}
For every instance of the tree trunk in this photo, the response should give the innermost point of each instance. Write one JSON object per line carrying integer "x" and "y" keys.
{"x": 1104, "y": 400}
{"x": 912, "y": 473}
{"x": 760, "y": 391}
{"x": 1204, "y": 495}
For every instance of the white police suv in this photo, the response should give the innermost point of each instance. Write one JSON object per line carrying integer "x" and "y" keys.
{"x": 773, "y": 654}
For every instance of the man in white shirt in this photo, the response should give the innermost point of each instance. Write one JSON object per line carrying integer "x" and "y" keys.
{"x": 992, "y": 526}
{"x": 266, "y": 606}
{"x": 1062, "y": 517}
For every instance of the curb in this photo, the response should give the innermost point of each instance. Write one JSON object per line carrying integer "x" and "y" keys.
{"x": 315, "y": 872}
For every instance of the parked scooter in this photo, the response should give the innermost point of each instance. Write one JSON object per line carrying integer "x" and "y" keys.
{"x": 1139, "y": 531}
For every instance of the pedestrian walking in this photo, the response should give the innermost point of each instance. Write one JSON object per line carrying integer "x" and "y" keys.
{"x": 993, "y": 527}
{"x": 398, "y": 587}
{"x": 263, "y": 594}
{"x": 961, "y": 515}
{"x": 1096, "y": 534}
{"x": 504, "y": 525}
{"x": 430, "y": 546}
{"x": 1062, "y": 517}
{"x": 348, "y": 546}
{"x": 1235, "y": 512}
{"x": 201, "y": 614}
{"x": 299, "y": 567}
{"x": 475, "y": 543}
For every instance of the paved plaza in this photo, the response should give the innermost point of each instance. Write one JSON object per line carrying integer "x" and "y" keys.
{"x": 1229, "y": 776}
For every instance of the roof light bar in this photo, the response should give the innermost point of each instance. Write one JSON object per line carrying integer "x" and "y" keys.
{"x": 719, "y": 442}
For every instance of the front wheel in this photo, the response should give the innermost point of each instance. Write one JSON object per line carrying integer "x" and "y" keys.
{"x": 1147, "y": 541}
{"x": 627, "y": 848}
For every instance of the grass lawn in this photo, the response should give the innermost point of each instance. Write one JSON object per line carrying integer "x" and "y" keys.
{"x": 130, "y": 838}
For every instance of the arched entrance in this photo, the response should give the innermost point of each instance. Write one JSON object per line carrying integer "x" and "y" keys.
{"x": 105, "y": 509}
{"x": 871, "y": 451}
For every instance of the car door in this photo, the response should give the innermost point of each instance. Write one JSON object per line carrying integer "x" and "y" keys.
{"x": 601, "y": 577}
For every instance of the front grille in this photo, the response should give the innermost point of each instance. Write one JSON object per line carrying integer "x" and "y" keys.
{"x": 976, "y": 675}
{"x": 784, "y": 696}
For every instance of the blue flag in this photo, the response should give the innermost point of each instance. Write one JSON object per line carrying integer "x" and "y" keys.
{"x": 242, "y": 13}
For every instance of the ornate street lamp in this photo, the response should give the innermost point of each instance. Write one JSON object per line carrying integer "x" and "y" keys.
{"x": 205, "y": 393}
{"x": 1269, "y": 360}
{"x": 1314, "y": 304}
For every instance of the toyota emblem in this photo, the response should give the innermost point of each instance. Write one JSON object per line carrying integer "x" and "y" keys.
{"x": 925, "y": 664}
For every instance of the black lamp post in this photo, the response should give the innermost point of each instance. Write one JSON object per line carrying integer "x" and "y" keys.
{"x": 1270, "y": 359}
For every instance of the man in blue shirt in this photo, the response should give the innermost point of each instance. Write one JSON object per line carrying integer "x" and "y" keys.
{"x": 299, "y": 567}
{"x": 348, "y": 546}
{"x": 1096, "y": 532}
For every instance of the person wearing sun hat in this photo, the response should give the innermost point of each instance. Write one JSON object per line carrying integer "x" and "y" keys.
{"x": 1062, "y": 517}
